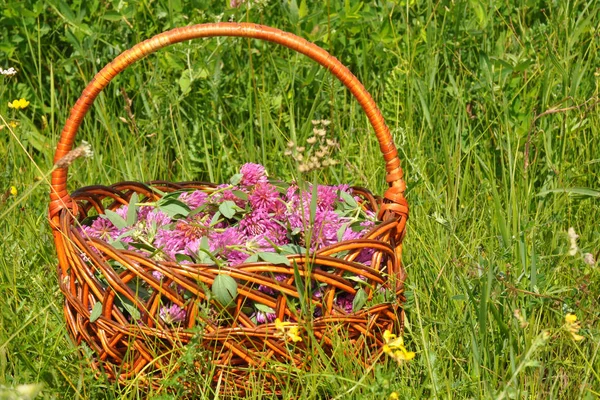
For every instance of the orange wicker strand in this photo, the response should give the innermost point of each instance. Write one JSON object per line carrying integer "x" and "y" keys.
{"x": 136, "y": 343}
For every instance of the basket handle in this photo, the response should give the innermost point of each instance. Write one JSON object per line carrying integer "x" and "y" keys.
{"x": 396, "y": 203}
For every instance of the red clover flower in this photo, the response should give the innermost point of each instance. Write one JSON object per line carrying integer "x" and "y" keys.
{"x": 172, "y": 315}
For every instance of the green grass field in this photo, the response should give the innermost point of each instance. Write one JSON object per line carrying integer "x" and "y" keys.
{"x": 495, "y": 109}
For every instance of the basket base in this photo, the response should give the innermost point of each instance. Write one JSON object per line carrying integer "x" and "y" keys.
{"x": 190, "y": 363}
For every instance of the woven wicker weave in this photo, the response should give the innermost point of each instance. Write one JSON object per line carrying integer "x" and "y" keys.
{"x": 238, "y": 346}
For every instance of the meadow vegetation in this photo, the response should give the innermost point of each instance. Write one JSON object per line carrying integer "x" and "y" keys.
{"x": 494, "y": 106}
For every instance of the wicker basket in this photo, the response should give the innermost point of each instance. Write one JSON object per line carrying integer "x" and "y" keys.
{"x": 238, "y": 347}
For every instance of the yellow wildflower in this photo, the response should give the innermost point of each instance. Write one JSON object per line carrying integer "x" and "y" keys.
{"x": 394, "y": 347}
{"x": 280, "y": 325}
{"x": 286, "y": 328}
{"x": 12, "y": 124}
{"x": 13, "y": 190}
{"x": 18, "y": 104}
{"x": 387, "y": 335}
{"x": 393, "y": 396}
{"x": 391, "y": 339}
{"x": 573, "y": 326}
{"x": 570, "y": 318}
{"x": 293, "y": 334}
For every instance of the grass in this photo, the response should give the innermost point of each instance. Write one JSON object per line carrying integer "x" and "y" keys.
{"x": 494, "y": 108}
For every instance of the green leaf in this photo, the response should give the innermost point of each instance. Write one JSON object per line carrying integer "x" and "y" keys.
{"x": 32, "y": 134}
{"x": 204, "y": 255}
{"x": 303, "y": 9}
{"x": 173, "y": 207}
{"x": 251, "y": 259}
{"x": 138, "y": 287}
{"x": 112, "y": 16}
{"x": 132, "y": 310}
{"x": 480, "y": 12}
{"x": 205, "y": 258}
{"x": 183, "y": 257}
{"x": 348, "y": 199}
{"x": 248, "y": 310}
{"x": 228, "y": 209}
{"x": 273, "y": 258}
{"x": 282, "y": 187}
{"x": 117, "y": 244}
{"x": 293, "y": 11}
{"x": 87, "y": 221}
{"x": 291, "y": 248}
{"x": 96, "y": 312}
{"x": 197, "y": 210}
{"x": 264, "y": 308}
{"x": 356, "y": 227}
{"x": 115, "y": 219}
{"x": 356, "y": 279}
{"x": 576, "y": 191}
{"x": 240, "y": 195}
{"x": 235, "y": 179}
{"x": 170, "y": 196}
{"x": 215, "y": 219}
{"x": 185, "y": 81}
{"x": 360, "y": 298}
{"x": 143, "y": 246}
{"x": 124, "y": 235}
{"x": 204, "y": 244}
{"x": 132, "y": 209}
{"x": 158, "y": 191}
{"x": 201, "y": 73}
{"x": 224, "y": 289}
{"x": 532, "y": 364}
{"x": 341, "y": 231}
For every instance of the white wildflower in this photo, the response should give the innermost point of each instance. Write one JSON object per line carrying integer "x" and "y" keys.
{"x": 28, "y": 391}
{"x": 8, "y": 72}
{"x": 588, "y": 258}
{"x": 319, "y": 132}
{"x": 573, "y": 240}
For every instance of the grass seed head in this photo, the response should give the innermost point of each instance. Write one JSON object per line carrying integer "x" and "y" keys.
{"x": 83, "y": 150}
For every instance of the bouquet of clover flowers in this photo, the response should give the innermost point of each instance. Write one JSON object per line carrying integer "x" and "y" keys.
{"x": 252, "y": 218}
